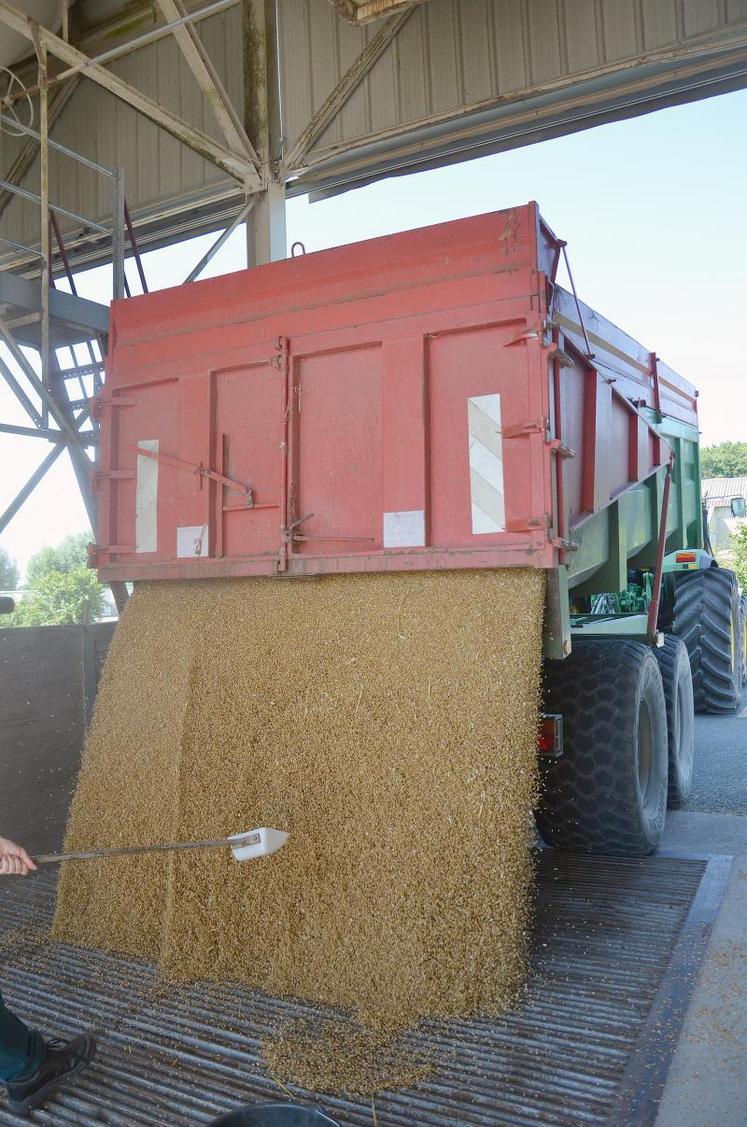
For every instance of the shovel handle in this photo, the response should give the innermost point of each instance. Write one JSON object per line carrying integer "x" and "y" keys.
{"x": 130, "y": 850}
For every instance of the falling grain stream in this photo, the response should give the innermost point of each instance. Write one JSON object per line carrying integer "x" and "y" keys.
{"x": 388, "y": 722}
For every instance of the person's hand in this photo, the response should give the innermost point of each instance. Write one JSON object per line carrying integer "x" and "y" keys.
{"x": 14, "y": 861}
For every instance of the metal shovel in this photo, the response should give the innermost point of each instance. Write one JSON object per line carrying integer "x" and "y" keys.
{"x": 244, "y": 846}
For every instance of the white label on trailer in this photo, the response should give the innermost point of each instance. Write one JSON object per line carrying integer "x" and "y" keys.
{"x": 404, "y": 530}
{"x": 486, "y": 464}
{"x": 191, "y": 541}
{"x": 146, "y": 498}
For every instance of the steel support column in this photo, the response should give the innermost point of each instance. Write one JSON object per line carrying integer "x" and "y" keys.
{"x": 265, "y": 229}
{"x": 45, "y": 246}
{"x": 266, "y": 239}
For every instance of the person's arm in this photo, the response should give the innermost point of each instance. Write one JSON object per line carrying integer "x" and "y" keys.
{"x": 14, "y": 861}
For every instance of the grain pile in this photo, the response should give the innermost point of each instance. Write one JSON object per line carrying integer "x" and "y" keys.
{"x": 327, "y": 1054}
{"x": 386, "y": 721}
{"x": 127, "y": 791}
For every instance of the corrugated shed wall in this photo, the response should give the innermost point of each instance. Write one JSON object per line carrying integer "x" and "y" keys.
{"x": 454, "y": 55}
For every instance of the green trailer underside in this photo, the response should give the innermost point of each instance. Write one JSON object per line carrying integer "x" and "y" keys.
{"x": 624, "y": 536}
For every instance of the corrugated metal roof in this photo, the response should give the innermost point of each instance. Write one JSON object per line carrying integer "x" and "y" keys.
{"x": 456, "y": 59}
{"x": 617, "y": 948}
{"x": 461, "y": 78}
{"x": 717, "y": 488}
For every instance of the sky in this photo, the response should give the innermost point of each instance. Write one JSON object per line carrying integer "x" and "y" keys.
{"x": 654, "y": 211}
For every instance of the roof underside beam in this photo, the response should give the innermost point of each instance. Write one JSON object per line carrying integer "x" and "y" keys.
{"x": 237, "y": 165}
{"x": 343, "y": 91}
{"x": 208, "y": 79}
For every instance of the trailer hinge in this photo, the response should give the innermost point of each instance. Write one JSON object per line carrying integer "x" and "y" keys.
{"x": 96, "y": 551}
{"x": 98, "y": 476}
{"x": 555, "y": 446}
{"x": 564, "y": 545}
{"x": 536, "y": 426}
{"x": 562, "y": 359}
{"x": 100, "y": 402}
{"x": 545, "y": 521}
{"x": 522, "y": 338}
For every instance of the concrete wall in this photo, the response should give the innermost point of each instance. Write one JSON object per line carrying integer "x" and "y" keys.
{"x": 48, "y": 678}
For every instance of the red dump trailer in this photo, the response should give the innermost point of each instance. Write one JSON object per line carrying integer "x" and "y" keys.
{"x": 428, "y": 400}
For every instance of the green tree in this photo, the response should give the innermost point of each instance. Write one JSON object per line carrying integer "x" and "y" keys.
{"x": 739, "y": 559}
{"x": 69, "y": 555}
{"x": 61, "y": 588}
{"x": 727, "y": 459}
{"x": 61, "y": 597}
{"x": 9, "y": 575}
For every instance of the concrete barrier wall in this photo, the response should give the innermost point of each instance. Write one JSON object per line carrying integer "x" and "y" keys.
{"x": 48, "y": 678}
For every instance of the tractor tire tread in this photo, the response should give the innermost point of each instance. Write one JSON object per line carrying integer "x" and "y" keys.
{"x": 588, "y": 801}
{"x": 704, "y": 620}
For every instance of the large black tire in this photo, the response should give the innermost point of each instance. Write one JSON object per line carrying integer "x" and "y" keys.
{"x": 707, "y": 619}
{"x": 608, "y": 791}
{"x": 674, "y": 665}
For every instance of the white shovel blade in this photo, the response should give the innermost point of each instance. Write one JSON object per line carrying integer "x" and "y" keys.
{"x": 257, "y": 843}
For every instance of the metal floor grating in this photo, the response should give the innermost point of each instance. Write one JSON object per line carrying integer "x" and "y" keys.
{"x": 618, "y": 944}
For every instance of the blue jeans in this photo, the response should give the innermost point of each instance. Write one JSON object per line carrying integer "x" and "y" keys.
{"x": 21, "y": 1049}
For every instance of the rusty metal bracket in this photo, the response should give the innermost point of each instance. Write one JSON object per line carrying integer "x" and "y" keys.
{"x": 562, "y": 358}
{"x": 534, "y": 426}
{"x": 523, "y": 337}
{"x": 555, "y": 446}
{"x": 100, "y": 403}
{"x": 287, "y": 531}
{"x": 201, "y": 471}
{"x": 99, "y": 476}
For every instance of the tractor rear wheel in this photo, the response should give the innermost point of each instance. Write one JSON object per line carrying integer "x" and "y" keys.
{"x": 608, "y": 791}
{"x": 674, "y": 665}
{"x": 707, "y": 619}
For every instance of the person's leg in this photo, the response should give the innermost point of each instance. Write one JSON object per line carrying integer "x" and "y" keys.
{"x": 21, "y": 1048}
{"x": 31, "y": 1068}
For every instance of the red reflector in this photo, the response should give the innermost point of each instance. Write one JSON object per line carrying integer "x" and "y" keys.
{"x": 550, "y": 735}
{"x": 686, "y": 557}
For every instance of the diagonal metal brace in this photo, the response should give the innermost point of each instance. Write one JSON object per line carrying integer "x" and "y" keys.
{"x": 345, "y": 88}
{"x": 41, "y": 390}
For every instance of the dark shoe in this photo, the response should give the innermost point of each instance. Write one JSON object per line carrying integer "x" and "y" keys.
{"x": 62, "y": 1059}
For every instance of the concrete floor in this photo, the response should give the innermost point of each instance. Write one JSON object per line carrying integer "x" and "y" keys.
{"x": 707, "y": 1083}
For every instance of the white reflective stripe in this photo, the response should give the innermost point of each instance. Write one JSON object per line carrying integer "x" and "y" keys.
{"x": 486, "y": 464}
{"x": 146, "y": 498}
{"x": 482, "y": 523}
{"x": 404, "y": 529}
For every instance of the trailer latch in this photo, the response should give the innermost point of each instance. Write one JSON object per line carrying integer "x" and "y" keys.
{"x": 555, "y": 446}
